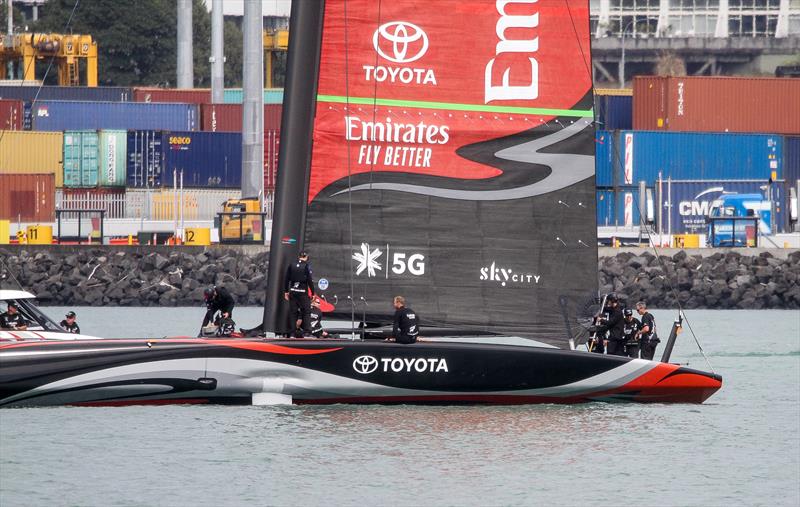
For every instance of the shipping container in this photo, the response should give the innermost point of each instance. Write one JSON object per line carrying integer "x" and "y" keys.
{"x": 640, "y": 156}
{"x": 32, "y": 153}
{"x": 145, "y": 159}
{"x": 109, "y": 199}
{"x": 627, "y": 92}
{"x": 604, "y": 158}
{"x": 271, "y": 96}
{"x": 688, "y": 202}
{"x": 165, "y": 204}
{"x": 27, "y": 197}
{"x": 184, "y": 95}
{"x": 228, "y": 117}
{"x": 11, "y": 114}
{"x": 59, "y": 115}
{"x": 791, "y": 159}
{"x": 614, "y": 112}
{"x": 80, "y": 158}
{"x": 113, "y": 157}
{"x": 81, "y": 93}
{"x": 207, "y": 159}
{"x": 717, "y": 104}
{"x": 605, "y": 207}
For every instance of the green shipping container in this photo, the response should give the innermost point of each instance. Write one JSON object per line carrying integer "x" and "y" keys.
{"x": 80, "y": 158}
{"x": 113, "y": 153}
{"x": 236, "y": 96}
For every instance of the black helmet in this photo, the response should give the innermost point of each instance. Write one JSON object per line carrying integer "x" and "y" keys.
{"x": 70, "y": 315}
{"x": 612, "y": 297}
{"x": 627, "y": 312}
{"x": 209, "y": 293}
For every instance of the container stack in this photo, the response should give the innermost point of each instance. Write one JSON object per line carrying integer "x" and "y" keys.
{"x": 685, "y": 141}
{"x": 125, "y": 150}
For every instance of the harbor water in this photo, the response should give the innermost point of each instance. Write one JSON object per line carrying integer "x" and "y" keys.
{"x": 742, "y": 447}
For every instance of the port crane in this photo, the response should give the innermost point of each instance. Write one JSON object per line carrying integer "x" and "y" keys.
{"x": 23, "y": 50}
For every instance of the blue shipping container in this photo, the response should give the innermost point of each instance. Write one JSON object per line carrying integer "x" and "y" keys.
{"x": 691, "y": 202}
{"x": 605, "y": 207}
{"x": 207, "y": 159}
{"x": 641, "y": 155}
{"x": 604, "y": 158}
{"x": 614, "y": 112}
{"x": 791, "y": 159}
{"x": 145, "y": 159}
{"x": 84, "y": 93}
{"x": 619, "y": 208}
{"x": 60, "y": 115}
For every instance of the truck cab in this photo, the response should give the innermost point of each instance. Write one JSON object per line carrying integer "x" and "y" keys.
{"x": 738, "y": 220}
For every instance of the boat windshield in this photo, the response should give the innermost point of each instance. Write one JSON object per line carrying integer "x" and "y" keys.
{"x": 37, "y": 321}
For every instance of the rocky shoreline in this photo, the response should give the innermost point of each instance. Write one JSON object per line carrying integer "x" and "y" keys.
{"x": 165, "y": 276}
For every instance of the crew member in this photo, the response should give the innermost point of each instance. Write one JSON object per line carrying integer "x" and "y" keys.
{"x": 12, "y": 319}
{"x": 69, "y": 325}
{"x": 218, "y": 299}
{"x": 597, "y": 341}
{"x": 316, "y": 319}
{"x": 630, "y": 332}
{"x": 615, "y": 342}
{"x": 406, "y": 325}
{"x": 649, "y": 338}
{"x": 299, "y": 282}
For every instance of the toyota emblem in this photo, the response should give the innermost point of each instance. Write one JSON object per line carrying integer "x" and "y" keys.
{"x": 365, "y": 364}
{"x": 400, "y": 41}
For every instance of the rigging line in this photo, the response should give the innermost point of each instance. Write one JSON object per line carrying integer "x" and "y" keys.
{"x": 349, "y": 177}
{"x": 580, "y": 46}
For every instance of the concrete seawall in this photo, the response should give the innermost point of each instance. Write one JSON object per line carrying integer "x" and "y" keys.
{"x": 166, "y": 276}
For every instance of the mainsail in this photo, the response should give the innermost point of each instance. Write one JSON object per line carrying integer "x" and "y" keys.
{"x": 453, "y": 163}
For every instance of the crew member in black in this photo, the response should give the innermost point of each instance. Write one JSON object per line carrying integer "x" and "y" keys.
{"x": 630, "y": 331}
{"x": 69, "y": 324}
{"x": 649, "y": 338}
{"x": 12, "y": 319}
{"x": 615, "y": 343}
{"x": 316, "y": 319}
{"x": 406, "y": 325}
{"x": 597, "y": 341}
{"x": 218, "y": 299}
{"x": 298, "y": 283}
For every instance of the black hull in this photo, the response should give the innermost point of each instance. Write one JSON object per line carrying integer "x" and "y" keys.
{"x": 225, "y": 371}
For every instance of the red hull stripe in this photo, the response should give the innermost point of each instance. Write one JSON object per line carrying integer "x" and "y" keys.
{"x": 269, "y": 347}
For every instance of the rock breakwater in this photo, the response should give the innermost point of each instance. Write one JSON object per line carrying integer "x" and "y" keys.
{"x": 162, "y": 276}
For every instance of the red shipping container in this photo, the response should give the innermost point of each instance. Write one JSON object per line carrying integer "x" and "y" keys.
{"x": 11, "y": 114}
{"x": 228, "y": 117}
{"x": 272, "y": 141}
{"x": 28, "y": 197}
{"x": 717, "y": 104}
{"x": 185, "y": 96}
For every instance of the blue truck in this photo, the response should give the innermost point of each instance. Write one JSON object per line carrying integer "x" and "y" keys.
{"x": 738, "y": 219}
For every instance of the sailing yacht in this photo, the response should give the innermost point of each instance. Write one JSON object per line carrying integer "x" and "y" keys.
{"x": 442, "y": 151}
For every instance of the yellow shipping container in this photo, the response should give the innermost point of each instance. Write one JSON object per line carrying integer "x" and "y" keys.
{"x": 614, "y": 91}
{"x": 23, "y": 152}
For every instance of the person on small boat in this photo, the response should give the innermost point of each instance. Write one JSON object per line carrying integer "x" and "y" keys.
{"x": 615, "y": 344}
{"x": 630, "y": 331}
{"x": 649, "y": 338}
{"x": 12, "y": 319}
{"x": 218, "y": 299}
{"x": 406, "y": 324}
{"x": 69, "y": 324}
{"x": 299, "y": 282}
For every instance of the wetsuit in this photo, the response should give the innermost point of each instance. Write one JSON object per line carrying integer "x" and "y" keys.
{"x": 12, "y": 321}
{"x": 406, "y": 326}
{"x": 630, "y": 331}
{"x": 316, "y": 321}
{"x": 221, "y": 302}
{"x": 299, "y": 280}
{"x": 649, "y": 339}
{"x": 616, "y": 342}
{"x": 70, "y": 328}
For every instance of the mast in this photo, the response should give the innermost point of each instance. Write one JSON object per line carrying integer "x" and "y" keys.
{"x": 294, "y": 159}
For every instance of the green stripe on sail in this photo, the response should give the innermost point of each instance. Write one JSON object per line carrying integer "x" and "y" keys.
{"x": 481, "y": 108}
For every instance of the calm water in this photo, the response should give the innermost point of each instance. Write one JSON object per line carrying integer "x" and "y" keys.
{"x": 740, "y": 448}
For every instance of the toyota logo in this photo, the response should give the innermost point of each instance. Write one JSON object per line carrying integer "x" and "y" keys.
{"x": 365, "y": 364}
{"x": 405, "y": 42}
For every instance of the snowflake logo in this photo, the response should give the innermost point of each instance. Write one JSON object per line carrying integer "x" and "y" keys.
{"x": 367, "y": 259}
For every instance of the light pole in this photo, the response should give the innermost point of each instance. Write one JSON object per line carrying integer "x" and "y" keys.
{"x": 622, "y": 58}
